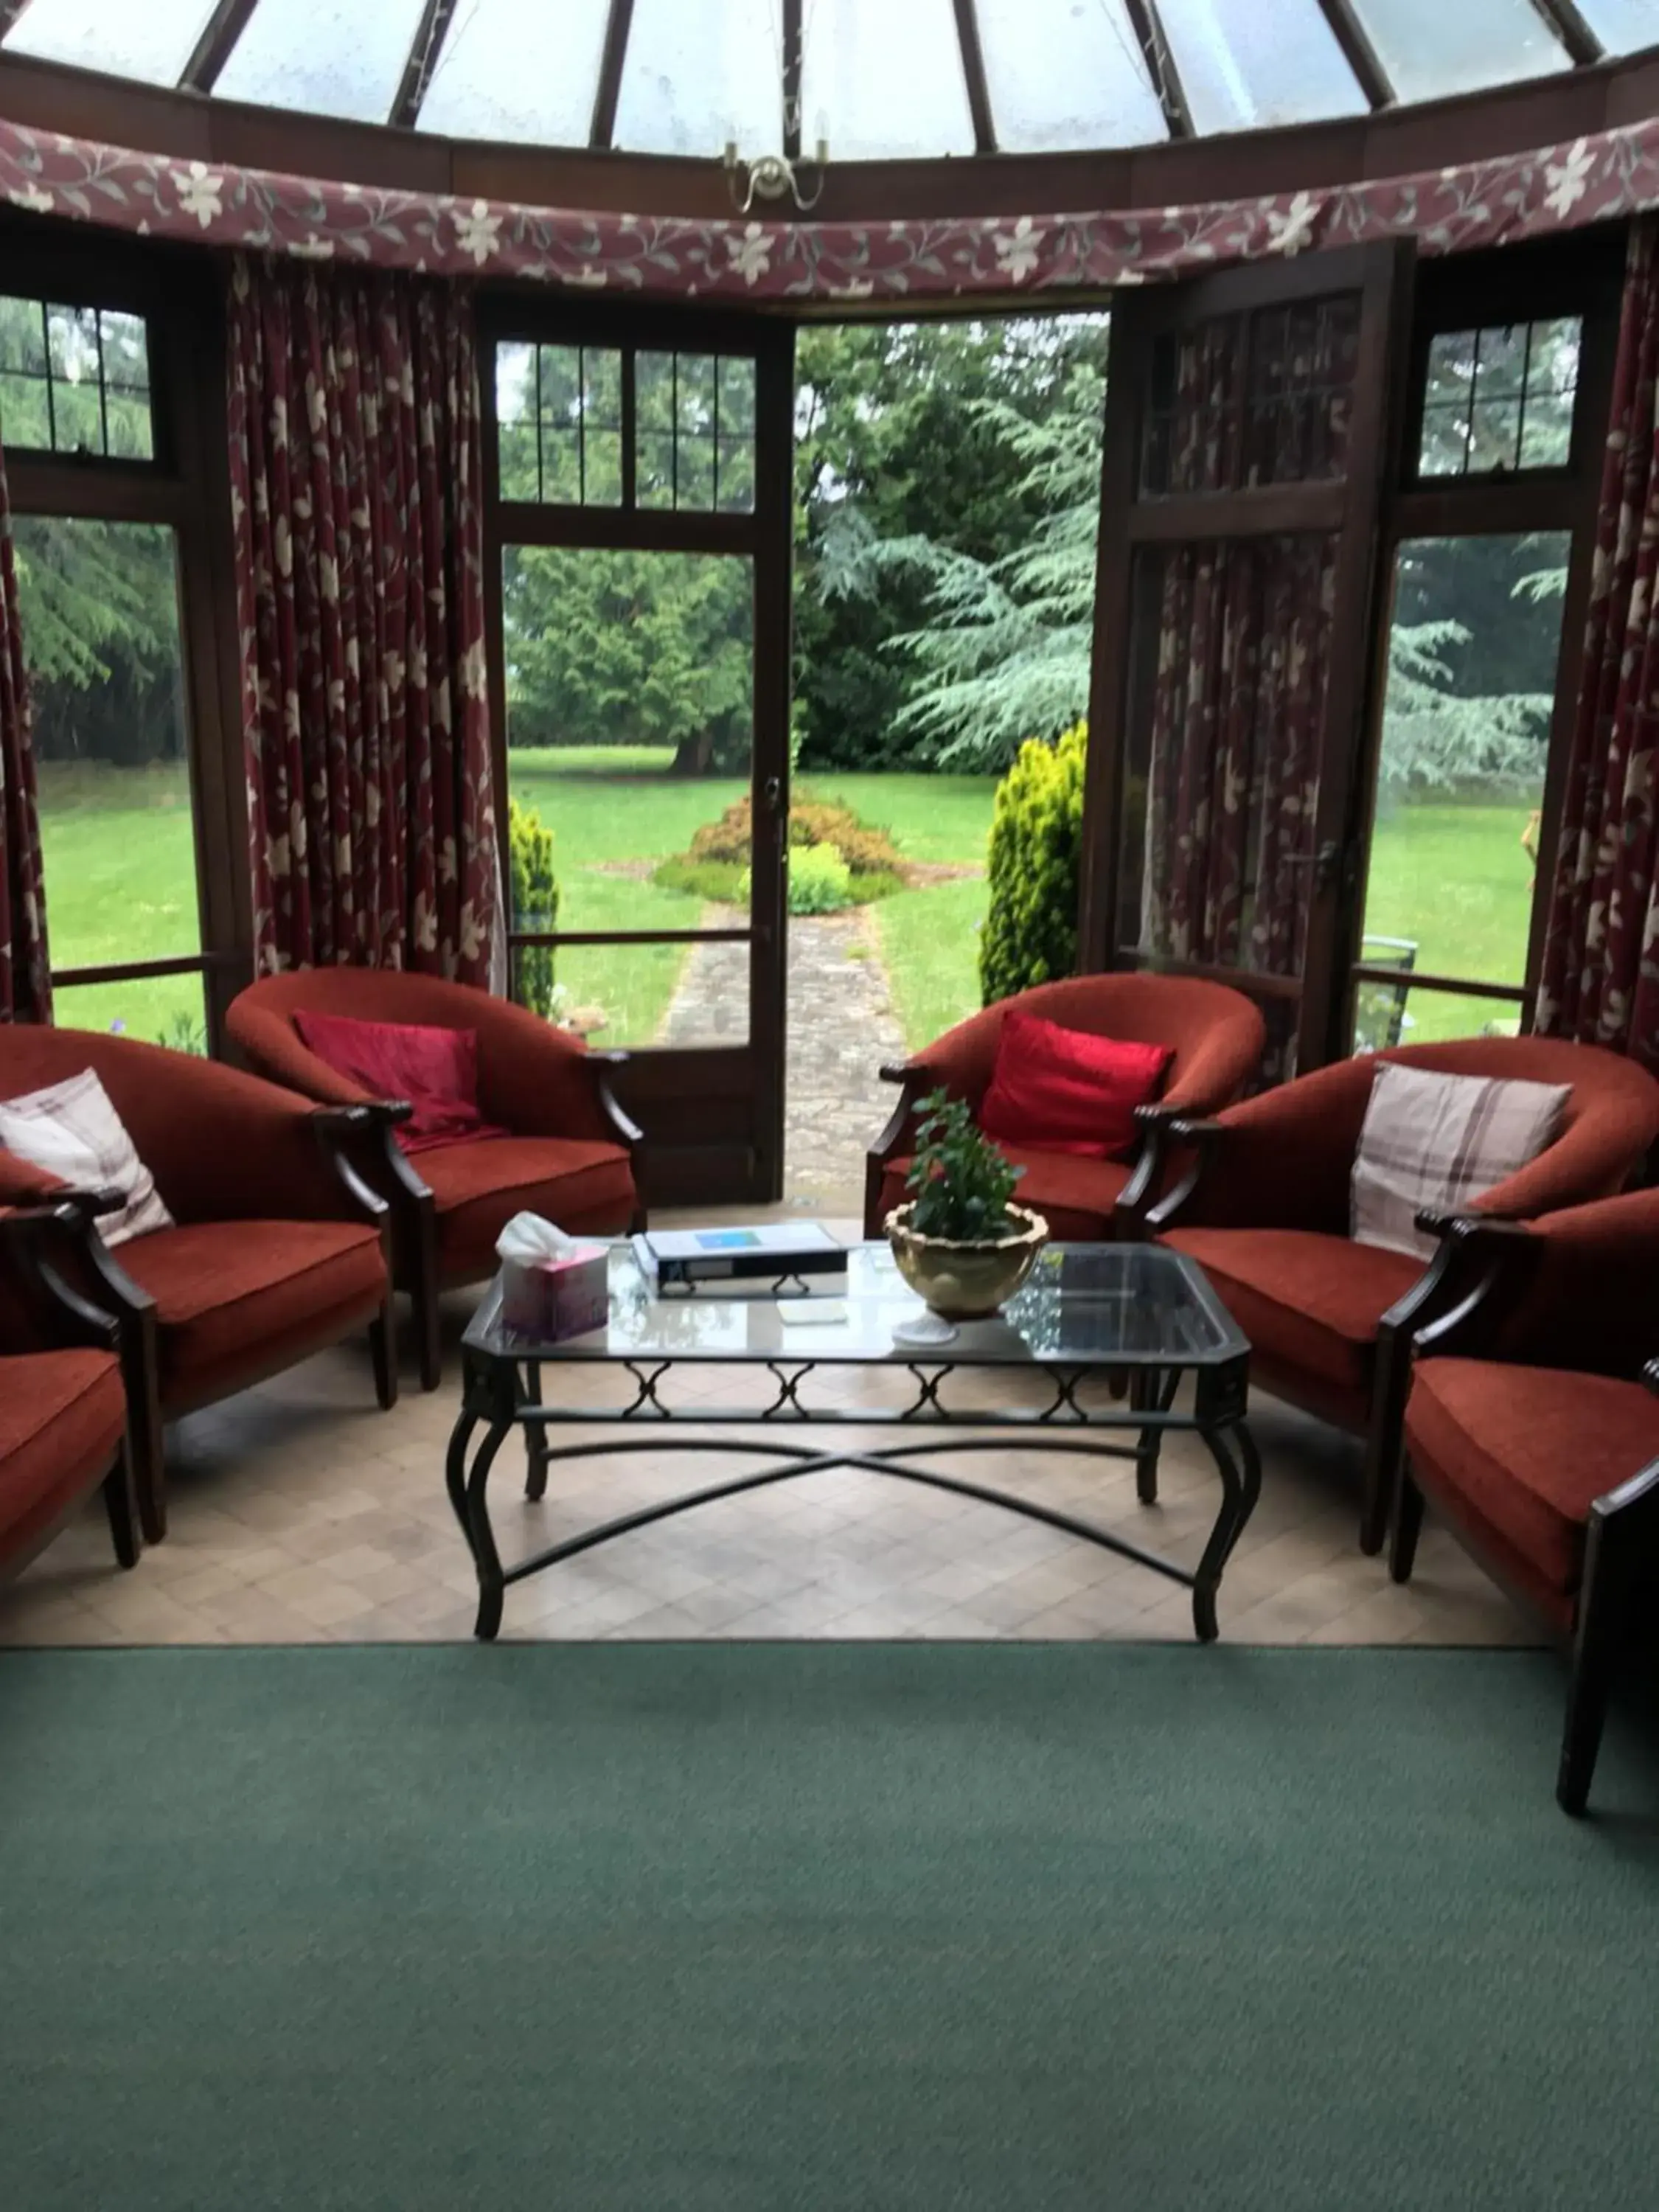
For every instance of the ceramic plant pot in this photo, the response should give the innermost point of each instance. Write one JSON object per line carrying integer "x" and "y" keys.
{"x": 966, "y": 1281}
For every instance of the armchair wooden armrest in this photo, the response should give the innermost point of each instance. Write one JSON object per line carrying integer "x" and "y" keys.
{"x": 1203, "y": 1138}
{"x": 625, "y": 1130}
{"x": 65, "y": 1316}
{"x": 1154, "y": 1121}
{"x": 914, "y": 1079}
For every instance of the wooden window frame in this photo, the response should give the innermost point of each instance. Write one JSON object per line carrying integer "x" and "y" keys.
{"x": 186, "y": 488}
{"x": 1582, "y": 277}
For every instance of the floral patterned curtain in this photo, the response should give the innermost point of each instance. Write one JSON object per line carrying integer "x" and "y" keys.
{"x": 25, "y": 971}
{"x": 1238, "y": 700}
{"x": 355, "y": 473}
{"x": 1601, "y": 976}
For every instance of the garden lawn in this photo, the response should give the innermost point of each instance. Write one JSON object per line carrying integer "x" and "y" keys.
{"x": 119, "y": 858}
{"x": 1452, "y": 876}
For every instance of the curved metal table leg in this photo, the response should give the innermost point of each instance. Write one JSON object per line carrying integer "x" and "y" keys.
{"x": 455, "y": 1469}
{"x": 1233, "y": 1449}
{"x": 528, "y": 1389}
{"x": 492, "y": 1584}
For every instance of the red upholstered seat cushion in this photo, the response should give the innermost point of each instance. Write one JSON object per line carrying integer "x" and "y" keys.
{"x": 581, "y": 1185}
{"x": 435, "y": 1069}
{"x": 62, "y": 1415}
{"x": 1525, "y": 1452}
{"x": 1074, "y": 1196}
{"x": 1064, "y": 1090}
{"x": 1309, "y": 1304}
{"x": 232, "y": 1295}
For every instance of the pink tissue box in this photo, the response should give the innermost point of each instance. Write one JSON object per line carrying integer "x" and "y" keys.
{"x": 557, "y": 1298}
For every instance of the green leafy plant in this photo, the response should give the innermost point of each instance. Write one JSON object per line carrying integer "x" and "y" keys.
{"x": 1030, "y": 932}
{"x": 535, "y": 905}
{"x": 185, "y": 1033}
{"x": 726, "y": 883}
{"x": 959, "y": 1181}
{"x": 866, "y": 851}
{"x": 820, "y": 881}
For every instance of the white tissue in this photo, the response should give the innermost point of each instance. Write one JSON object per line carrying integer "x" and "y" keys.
{"x": 527, "y": 1241}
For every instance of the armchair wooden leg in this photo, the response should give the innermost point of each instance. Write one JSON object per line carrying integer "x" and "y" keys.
{"x": 1407, "y": 1524}
{"x": 383, "y": 1350}
{"x": 428, "y": 1329}
{"x": 1604, "y": 1619}
{"x": 121, "y": 1504}
{"x": 146, "y": 1433}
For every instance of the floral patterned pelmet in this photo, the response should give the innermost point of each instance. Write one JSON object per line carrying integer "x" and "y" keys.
{"x": 25, "y": 971}
{"x": 1475, "y": 204}
{"x": 1601, "y": 976}
{"x": 355, "y": 482}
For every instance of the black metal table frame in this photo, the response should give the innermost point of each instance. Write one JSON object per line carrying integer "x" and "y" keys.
{"x": 502, "y": 1391}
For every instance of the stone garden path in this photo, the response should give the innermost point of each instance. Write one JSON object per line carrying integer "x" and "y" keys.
{"x": 841, "y": 1026}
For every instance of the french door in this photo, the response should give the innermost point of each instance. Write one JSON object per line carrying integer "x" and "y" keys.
{"x": 637, "y": 551}
{"x": 1250, "y": 426}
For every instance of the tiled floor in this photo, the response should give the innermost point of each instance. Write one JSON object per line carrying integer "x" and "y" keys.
{"x": 299, "y": 1513}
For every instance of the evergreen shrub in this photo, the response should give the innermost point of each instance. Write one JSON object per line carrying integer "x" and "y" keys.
{"x": 1030, "y": 932}
{"x": 535, "y": 905}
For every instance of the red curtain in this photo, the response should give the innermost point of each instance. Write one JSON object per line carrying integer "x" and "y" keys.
{"x": 355, "y": 468}
{"x": 1600, "y": 975}
{"x": 25, "y": 971}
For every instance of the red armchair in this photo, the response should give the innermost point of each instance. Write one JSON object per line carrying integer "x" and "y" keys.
{"x": 571, "y": 1155}
{"x": 278, "y": 1247}
{"x": 1264, "y": 1209}
{"x": 1529, "y": 1427}
{"x": 63, "y": 1411}
{"x": 1217, "y": 1034}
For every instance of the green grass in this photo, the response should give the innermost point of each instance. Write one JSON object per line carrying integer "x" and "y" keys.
{"x": 1453, "y": 875}
{"x": 120, "y": 869}
{"x": 121, "y": 885}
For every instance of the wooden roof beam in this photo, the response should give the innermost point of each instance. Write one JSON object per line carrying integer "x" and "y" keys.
{"x": 424, "y": 48}
{"x": 612, "y": 55}
{"x": 1566, "y": 19}
{"x": 973, "y": 68}
{"x": 213, "y": 49}
{"x": 1360, "y": 54}
{"x": 1161, "y": 65}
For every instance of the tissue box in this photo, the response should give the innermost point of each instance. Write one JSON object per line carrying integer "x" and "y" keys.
{"x": 552, "y": 1299}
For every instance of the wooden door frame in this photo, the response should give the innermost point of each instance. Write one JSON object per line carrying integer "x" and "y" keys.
{"x": 726, "y": 1102}
{"x": 1347, "y": 507}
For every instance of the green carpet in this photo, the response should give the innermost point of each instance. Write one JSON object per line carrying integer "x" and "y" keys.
{"x": 749, "y": 1929}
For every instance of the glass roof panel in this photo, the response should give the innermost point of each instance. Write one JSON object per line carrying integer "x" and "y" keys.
{"x": 1243, "y": 68}
{"x": 883, "y": 81}
{"x": 331, "y": 57}
{"x": 1061, "y": 74}
{"x": 1622, "y": 26}
{"x": 1430, "y": 47}
{"x": 698, "y": 72}
{"x": 506, "y": 70}
{"x": 151, "y": 42}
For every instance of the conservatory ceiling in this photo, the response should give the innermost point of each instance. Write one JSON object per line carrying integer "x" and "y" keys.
{"x": 869, "y": 79}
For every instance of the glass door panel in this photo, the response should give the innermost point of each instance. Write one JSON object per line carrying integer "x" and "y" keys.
{"x": 1451, "y": 869}
{"x": 630, "y": 740}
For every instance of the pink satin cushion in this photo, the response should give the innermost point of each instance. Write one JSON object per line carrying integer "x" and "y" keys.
{"x": 1063, "y": 1090}
{"x": 435, "y": 1069}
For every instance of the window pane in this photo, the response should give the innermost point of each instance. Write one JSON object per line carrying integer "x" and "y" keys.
{"x": 560, "y": 383}
{"x": 735, "y": 491}
{"x": 653, "y": 469}
{"x": 629, "y": 701}
{"x": 152, "y": 42}
{"x": 22, "y": 335}
{"x": 881, "y": 82}
{"x": 339, "y": 59}
{"x": 1500, "y": 398}
{"x": 1387, "y": 1014}
{"x": 1470, "y": 689}
{"x": 510, "y": 71}
{"x": 169, "y": 1010}
{"x": 1622, "y": 26}
{"x": 24, "y": 418}
{"x": 1063, "y": 75}
{"x": 737, "y": 393}
{"x": 100, "y": 609}
{"x": 698, "y": 73}
{"x": 78, "y": 426}
{"x": 126, "y": 351}
{"x": 1242, "y": 67}
{"x": 1428, "y": 48}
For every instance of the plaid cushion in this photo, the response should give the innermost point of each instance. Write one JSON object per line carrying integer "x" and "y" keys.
{"x": 1437, "y": 1142}
{"x": 73, "y": 1131}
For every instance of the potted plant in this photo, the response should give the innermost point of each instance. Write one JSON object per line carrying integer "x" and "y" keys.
{"x": 959, "y": 1241}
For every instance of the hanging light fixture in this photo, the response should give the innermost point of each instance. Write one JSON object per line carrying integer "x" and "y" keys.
{"x": 782, "y": 175}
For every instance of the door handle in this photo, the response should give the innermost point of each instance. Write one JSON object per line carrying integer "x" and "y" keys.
{"x": 1326, "y": 863}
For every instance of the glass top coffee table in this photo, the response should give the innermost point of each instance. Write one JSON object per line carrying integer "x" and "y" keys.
{"x": 1088, "y": 1357}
